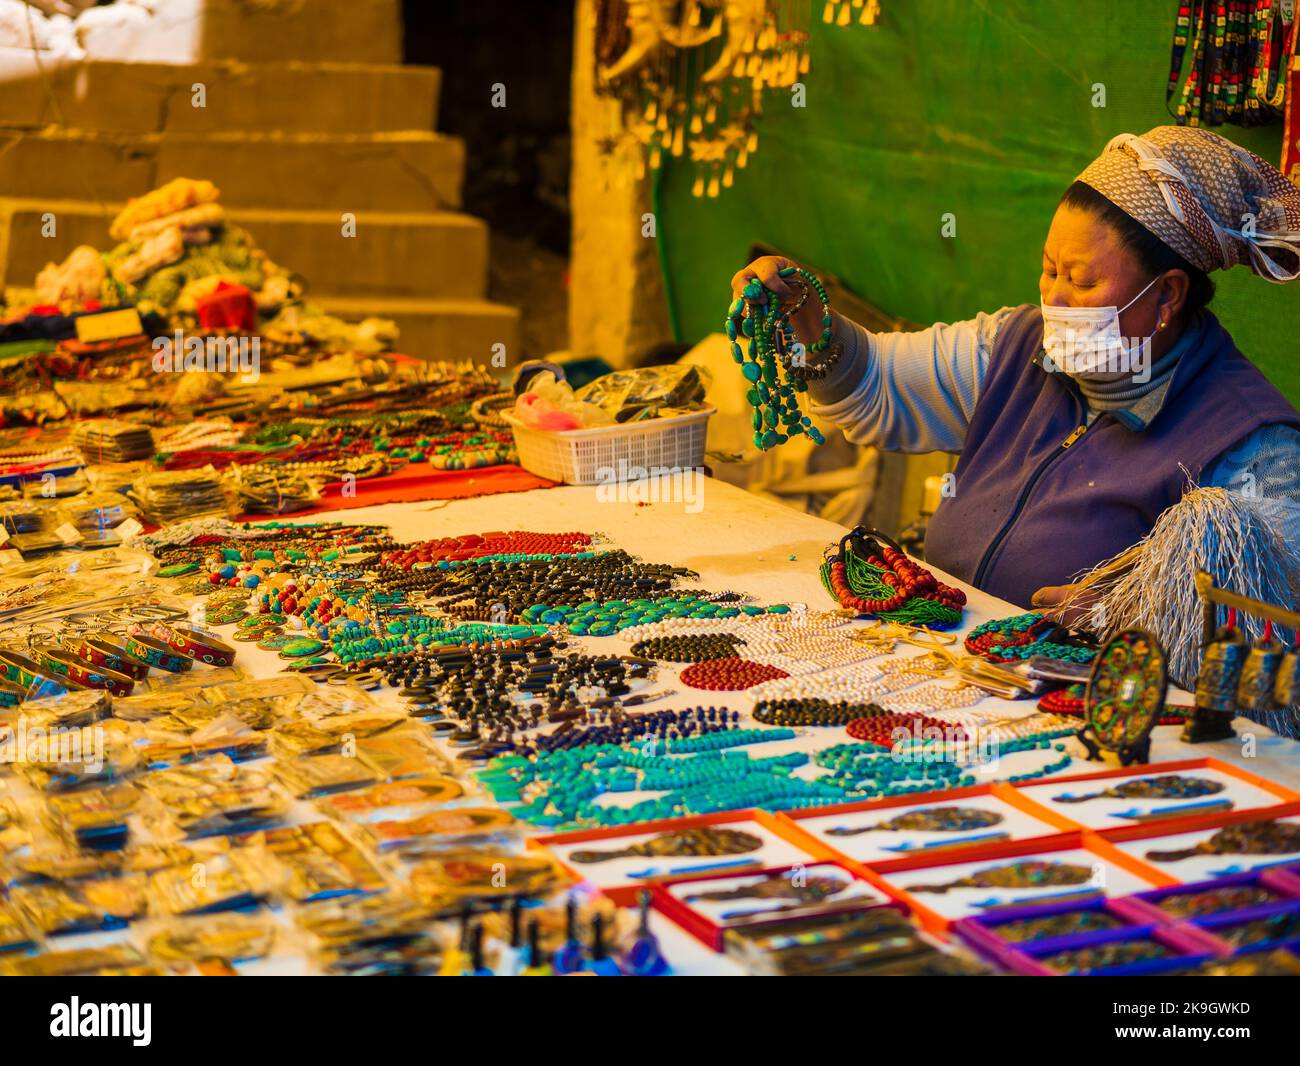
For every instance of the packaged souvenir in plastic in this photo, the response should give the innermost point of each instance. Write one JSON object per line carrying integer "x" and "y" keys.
{"x": 81, "y": 707}
{"x": 215, "y": 796}
{"x": 253, "y": 712}
{"x": 209, "y": 677}
{"x": 80, "y": 865}
{"x": 65, "y": 761}
{"x": 384, "y": 935}
{"x": 321, "y": 862}
{"x": 150, "y": 706}
{"x": 227, "y": 737}
{"x": 95, "y": 818}
{"x": 452, "y": 828}
{"x": 81, "y": 906}
{"x": 294, "y": 739}
{"x": 269, "y": 688}
{"x": 321, "y": 775}
{"x": 226, "y": 938}
{"x": 407, "y": 796}
{"x": 117, "y": 960}
{"x": 458, "y": 875}
{"x": 630, "y": 395}
{"x": 400, "y": 753}
{"x": 235, "y": 880}
{"x": 14, "y": 932}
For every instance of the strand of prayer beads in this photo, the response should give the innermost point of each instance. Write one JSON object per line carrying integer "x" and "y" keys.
{"x": 759, "y": 316}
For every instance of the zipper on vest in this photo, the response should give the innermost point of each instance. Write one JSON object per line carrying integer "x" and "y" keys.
{"x": 996, "y": 542}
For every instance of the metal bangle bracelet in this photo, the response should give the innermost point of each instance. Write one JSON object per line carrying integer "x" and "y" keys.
{"x": 17, "y": 668}
{"x": 107, "y": 651}
{"x": 154, "y": 652}
{"x": 189, "y": 640}
{"x": 63, "y": 664}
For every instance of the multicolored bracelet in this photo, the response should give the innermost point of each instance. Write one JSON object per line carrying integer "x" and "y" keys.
{"x": 142, "y": 646}
{"x": 106, "y": 650}
{"x": 197, "y": 644}
{"x": 59, "y": 661}
{"x": 23, "y": 671}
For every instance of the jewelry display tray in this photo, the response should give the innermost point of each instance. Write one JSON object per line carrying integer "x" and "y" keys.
{"x": 1246, "y": 791}
{"x": 793, "y": 837}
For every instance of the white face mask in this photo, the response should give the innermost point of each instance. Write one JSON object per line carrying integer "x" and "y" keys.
{"x": 1084, "y": 340}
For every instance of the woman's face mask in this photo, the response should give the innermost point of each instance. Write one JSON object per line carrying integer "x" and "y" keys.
{"x": 1087, "y": 340}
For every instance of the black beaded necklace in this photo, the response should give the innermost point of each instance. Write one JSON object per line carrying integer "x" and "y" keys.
{"x": 811, "y": 711}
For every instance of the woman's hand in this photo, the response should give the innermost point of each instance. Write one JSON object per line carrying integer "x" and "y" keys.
{"x": 807, "y": 321}
{"x": 1068, "y": 604}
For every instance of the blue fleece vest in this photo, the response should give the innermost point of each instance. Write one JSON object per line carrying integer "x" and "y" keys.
{"x": 1035, "y": 503}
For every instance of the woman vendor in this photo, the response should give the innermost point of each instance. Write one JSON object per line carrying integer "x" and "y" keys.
{"x": 1081, "y": 418}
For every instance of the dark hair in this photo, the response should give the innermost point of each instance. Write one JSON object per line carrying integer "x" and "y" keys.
{"x": 1150, "y": 251}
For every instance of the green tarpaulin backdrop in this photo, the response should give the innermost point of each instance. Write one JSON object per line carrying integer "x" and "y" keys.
{"x": 979, "y": 108}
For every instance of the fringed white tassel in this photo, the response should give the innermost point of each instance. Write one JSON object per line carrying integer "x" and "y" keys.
{"x": 1226, "y": 534}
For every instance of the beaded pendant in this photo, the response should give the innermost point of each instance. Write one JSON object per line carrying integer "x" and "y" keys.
{"x": 777, "y": 886}
{"x": 1166, "y": 786}
{"x": 1246, "y": 838}
{"x": 931, "y": 820}
{"x": 770, "y": 366}
{"x": 1030, "y": 873}
{"x": 702, "y": 841}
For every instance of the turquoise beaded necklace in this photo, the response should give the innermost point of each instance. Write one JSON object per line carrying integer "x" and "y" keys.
{"x": 876, "y": 771}
{"x": 774, "y": 386}
{"x": 602, "y": 619}
{"x": 561, "y": 788}
{"x": 1017, "y": 637}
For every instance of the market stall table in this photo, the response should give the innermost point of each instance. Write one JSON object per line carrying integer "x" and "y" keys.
{"x": 737, "y": 541}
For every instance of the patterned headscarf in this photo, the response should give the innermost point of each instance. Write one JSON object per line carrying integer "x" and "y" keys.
{"x": 1213, "y": 202}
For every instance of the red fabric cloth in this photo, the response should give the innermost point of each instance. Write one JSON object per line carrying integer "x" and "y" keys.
{"x": 418, "y": 481}
{"x": 228, "y": 306}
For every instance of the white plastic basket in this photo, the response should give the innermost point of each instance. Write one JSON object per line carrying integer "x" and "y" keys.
{"x": 613, "y": 453}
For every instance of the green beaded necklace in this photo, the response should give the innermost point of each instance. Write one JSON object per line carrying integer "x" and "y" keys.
{"x": 775, "y": 385}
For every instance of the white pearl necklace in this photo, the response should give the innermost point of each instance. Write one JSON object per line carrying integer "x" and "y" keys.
{"x": 855, "y": 684}
{"x": 673, "y": 626}
{"x": 932, "y": 698}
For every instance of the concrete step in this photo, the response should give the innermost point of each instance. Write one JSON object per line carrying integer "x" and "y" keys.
{"x": 397, "y": 171}
{"x": 296, "y": 97}
{"x": 439, "y": 329}
{"x": 360, "y": 31}
{"x": 392, "y": 254}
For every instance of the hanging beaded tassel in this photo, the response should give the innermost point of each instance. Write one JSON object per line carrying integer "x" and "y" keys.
{"x": 1232, "y": 537}
{"x": 876, "y": 578}
{"x": 773, "y": 351}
